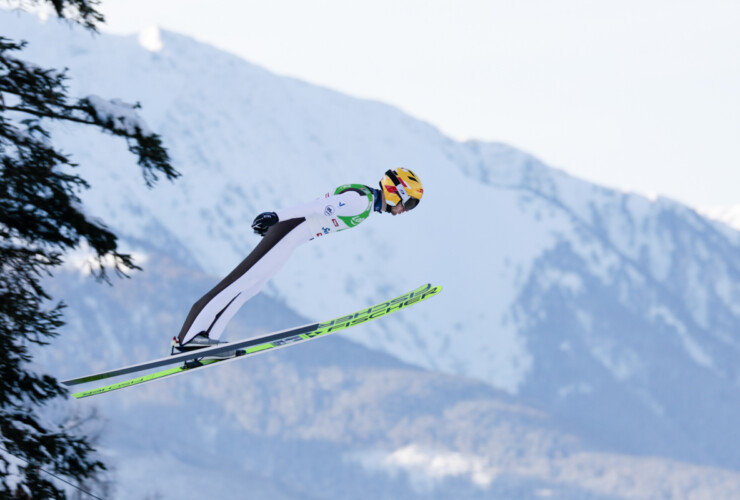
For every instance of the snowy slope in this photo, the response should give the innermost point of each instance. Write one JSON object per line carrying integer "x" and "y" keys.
{"x": 615, "y": 312}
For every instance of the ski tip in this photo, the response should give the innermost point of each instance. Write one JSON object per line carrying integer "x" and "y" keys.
{"x": 429, "y": 289}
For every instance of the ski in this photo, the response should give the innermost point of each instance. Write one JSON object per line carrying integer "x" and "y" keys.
{"x": 195, "y": 360}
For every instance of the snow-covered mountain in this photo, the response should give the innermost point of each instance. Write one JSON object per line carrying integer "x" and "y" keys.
{"x": 617, "y": 315}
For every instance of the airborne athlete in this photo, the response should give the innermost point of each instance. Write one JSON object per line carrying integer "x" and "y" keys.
{"x": 283, "y": 231}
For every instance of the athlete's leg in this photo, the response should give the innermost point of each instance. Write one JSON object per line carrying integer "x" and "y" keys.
{"x": 213, "y": 311}
{"x": 252, "y": 282}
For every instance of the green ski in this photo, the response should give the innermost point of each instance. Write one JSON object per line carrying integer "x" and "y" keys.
{"x": 253, "y": 346}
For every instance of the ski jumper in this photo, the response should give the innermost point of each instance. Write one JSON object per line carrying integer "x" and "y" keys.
{"x": 345, "y": 208}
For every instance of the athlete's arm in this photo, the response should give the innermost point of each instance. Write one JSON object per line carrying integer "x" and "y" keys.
{"x": 345, "y": 204}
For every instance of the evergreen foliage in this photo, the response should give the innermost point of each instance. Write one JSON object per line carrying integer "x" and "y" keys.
{"x": 41, "y": 219}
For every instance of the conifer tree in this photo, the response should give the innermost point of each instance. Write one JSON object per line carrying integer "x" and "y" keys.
{"x": 41, "y": 219}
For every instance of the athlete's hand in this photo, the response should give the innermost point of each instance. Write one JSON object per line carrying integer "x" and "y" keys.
{"x": 263, "y": 222}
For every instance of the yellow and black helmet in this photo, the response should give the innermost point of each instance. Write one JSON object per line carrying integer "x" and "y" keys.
{"x": 402, "y": 186}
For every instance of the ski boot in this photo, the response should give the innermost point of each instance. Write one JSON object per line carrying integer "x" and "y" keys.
{"x": 200, "y": 341}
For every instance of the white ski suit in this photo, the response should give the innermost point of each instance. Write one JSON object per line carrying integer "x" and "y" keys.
{"x": 347, "y": 207}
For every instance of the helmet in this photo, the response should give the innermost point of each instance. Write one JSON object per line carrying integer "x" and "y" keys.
{"x": 402, "y": 186}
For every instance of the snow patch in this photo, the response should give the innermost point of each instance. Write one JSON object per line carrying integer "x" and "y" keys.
{"x": 561, "y": 279}
{"x": 580, "y": 388}
{"x": 13, "y": 473}
{"x": 123, "y": 115}
{"x": 621, "y": 362}
{"x": 84, "y": 262}
{"x": 692, "y": 347}
{"x": 426, "y": 469}
{"x": 150, "y": 38}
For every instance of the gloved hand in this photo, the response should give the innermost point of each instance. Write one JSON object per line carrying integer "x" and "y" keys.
{"x": 263, "y": 222}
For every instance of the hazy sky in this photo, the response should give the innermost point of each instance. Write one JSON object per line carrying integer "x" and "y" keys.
{"x": 641, "y": 95}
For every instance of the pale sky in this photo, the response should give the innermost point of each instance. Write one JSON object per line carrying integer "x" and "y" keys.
{"x": 641, "y": 95}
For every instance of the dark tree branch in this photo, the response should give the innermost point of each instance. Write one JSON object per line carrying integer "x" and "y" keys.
{"x": 41, "y": 220}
